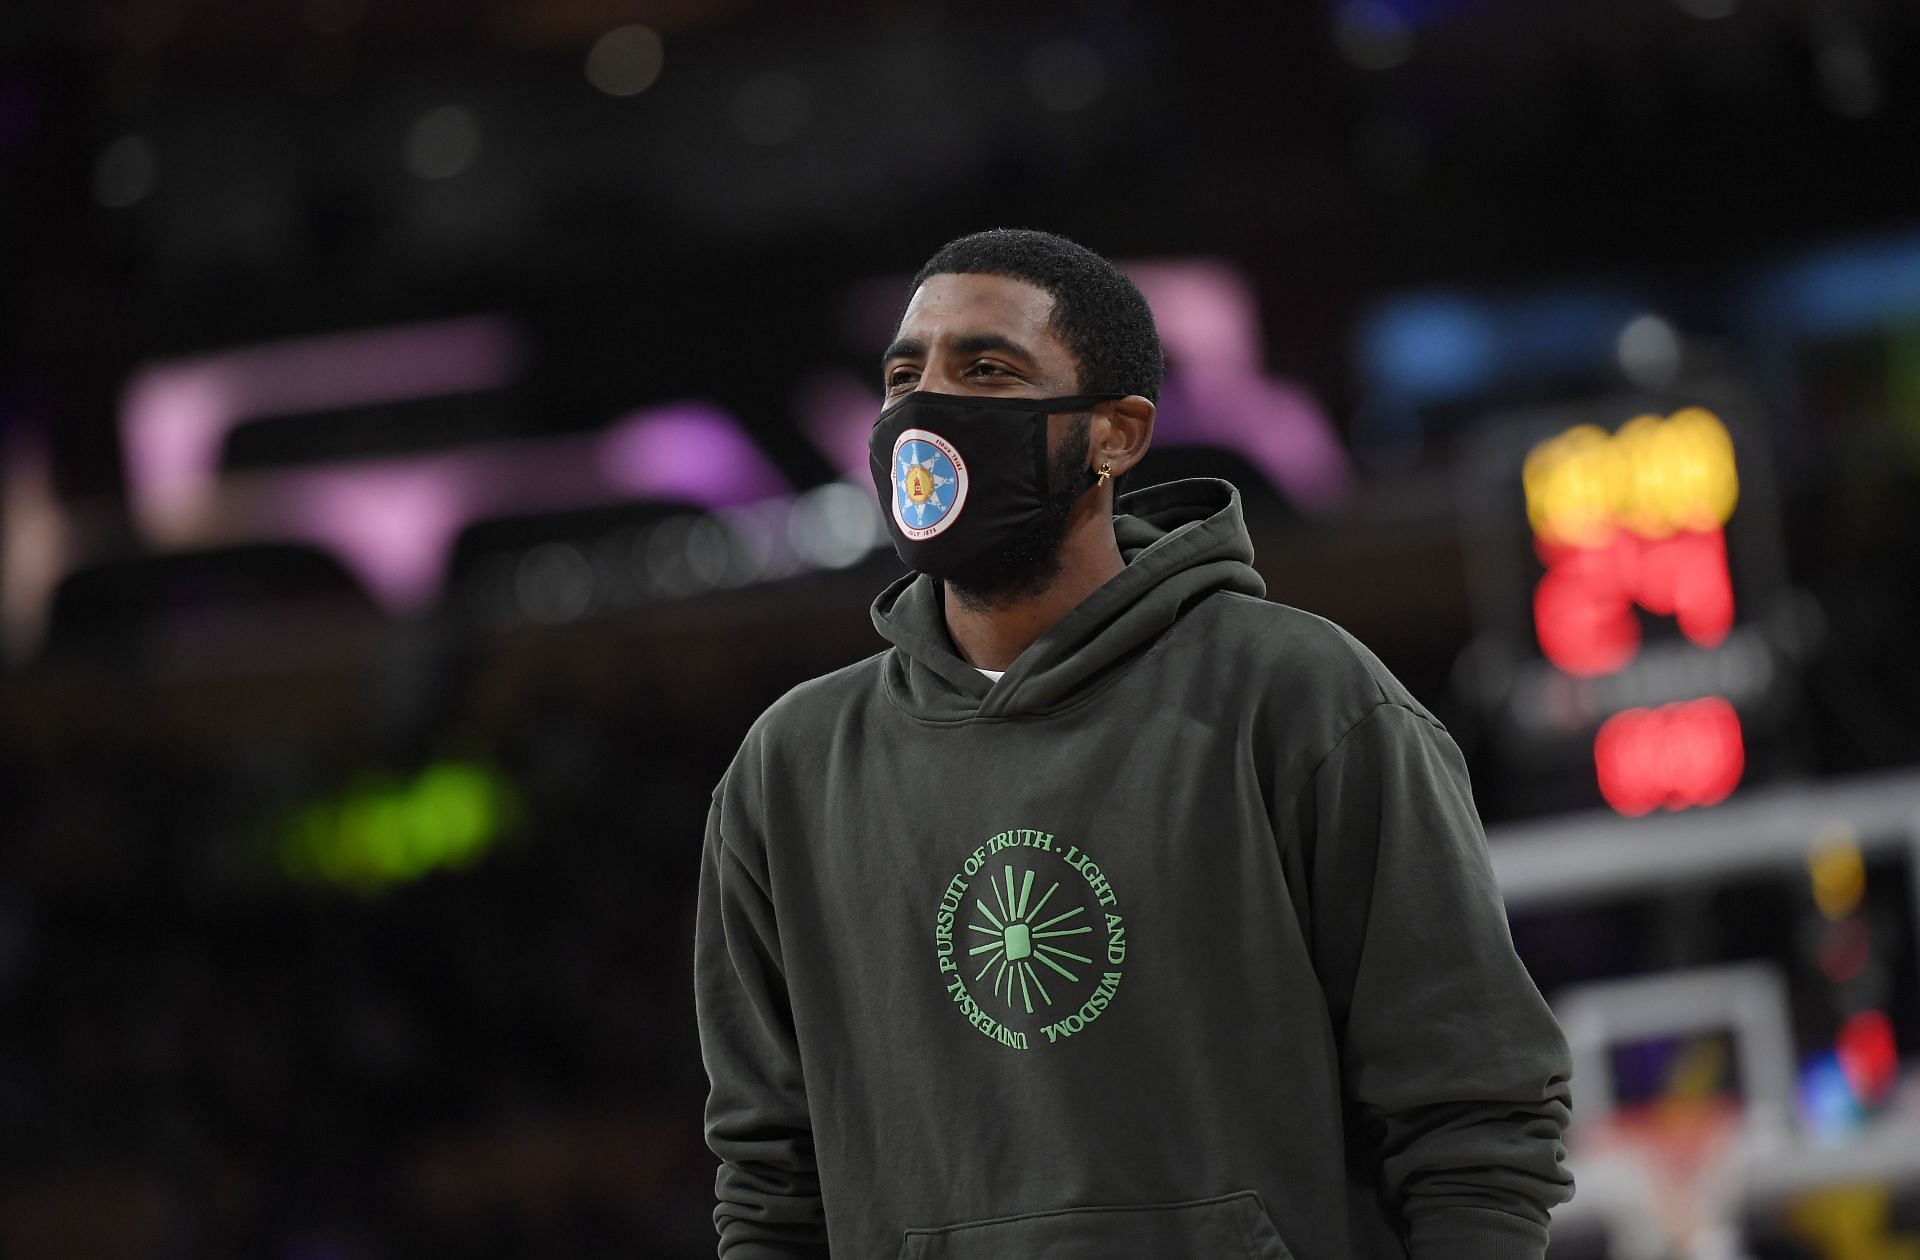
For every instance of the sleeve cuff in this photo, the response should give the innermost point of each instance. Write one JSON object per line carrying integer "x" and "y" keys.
{"x": 1465, "y": 1233}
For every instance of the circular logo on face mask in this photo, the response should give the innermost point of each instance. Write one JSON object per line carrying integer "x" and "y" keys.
{"x": 929, "y": 484}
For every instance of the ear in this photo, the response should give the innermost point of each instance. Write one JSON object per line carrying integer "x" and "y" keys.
{"x": 1121, "y": 432}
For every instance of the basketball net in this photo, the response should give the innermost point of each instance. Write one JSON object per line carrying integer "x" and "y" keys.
{"x": 1677, "y": 1141}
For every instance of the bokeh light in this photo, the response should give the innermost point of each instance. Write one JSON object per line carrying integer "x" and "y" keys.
{"x": 443, "y": 142}
{"x": 626, "y": 61}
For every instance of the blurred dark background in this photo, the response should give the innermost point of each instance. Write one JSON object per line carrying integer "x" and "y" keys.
{"x": 430, "y": 434}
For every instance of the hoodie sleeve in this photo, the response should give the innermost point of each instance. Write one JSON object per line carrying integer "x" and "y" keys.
{"x": 1457, "y": 1066}
{"x": 757, "y": 1121}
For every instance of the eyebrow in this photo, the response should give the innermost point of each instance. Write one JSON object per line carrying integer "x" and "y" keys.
{"x": 965, "y": 343}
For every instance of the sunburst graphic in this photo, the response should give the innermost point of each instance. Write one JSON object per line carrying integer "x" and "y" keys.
{"x": 1019, "y": 940}
{"x": 920, "y": 485}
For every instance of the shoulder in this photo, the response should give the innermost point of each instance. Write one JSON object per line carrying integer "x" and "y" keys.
{"x": 1319, "y": 689}
{"x": 822, "y": 701}
{"x": 1311, "y": 671}
{"x": 804, "y": 718}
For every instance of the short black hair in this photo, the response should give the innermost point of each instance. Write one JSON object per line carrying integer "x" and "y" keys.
{"x": 1096, "y": 310}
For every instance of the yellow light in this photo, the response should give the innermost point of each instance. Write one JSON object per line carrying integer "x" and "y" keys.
{"x": 1571, "y": 486}
{"x": 1654, "y": 477}
{"x": 1851, "y": 1221}
{"x": 1839, "y": 872}
{"x": 1696, "y": 1071}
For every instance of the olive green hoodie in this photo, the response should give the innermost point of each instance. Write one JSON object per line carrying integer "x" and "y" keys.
{"x": 1179, "y": 940}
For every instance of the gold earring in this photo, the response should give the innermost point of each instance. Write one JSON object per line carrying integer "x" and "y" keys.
{"x": 1106, "y": 471}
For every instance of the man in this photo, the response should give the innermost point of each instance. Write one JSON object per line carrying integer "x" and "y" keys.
{"x": 1112, "y": 910}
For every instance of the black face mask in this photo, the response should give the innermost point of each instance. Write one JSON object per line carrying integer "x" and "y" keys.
{"x": 959, "y": 475}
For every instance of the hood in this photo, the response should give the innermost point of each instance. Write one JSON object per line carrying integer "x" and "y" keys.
{"x": 1181, "y": 540}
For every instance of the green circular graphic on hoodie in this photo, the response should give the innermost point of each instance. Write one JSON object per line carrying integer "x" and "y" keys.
{"x": 1029, "y": 939}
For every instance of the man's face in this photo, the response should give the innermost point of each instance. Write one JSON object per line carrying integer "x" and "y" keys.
{"x": 989, "y": 335}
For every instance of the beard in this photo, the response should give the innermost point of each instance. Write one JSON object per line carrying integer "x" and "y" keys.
{"x": 1027, "y": 564}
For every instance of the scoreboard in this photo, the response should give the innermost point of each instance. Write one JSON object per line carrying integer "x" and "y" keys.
{"x": 1635, "y": 638}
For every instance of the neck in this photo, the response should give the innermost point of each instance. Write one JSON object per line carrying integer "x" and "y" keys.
{"x": 990, "y": 637}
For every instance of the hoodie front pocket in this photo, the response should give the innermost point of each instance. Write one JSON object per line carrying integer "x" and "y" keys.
{"x": 1231, "y": 1227}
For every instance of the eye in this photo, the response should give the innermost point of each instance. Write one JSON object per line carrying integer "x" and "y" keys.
{"x": 901, "y": 376}
{"x": 984, "y": 368}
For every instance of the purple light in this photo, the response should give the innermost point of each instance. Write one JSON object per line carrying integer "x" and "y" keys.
{"x": 393, "y": 521}
{"x": 1208, "y": 319}
{"x": 1277, "y": 426}
{"x": 175, "y": 416}
{"x": 838, "y": 412}
{"x": 690, "y": 451}
{"x": 1218, "y": 393}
